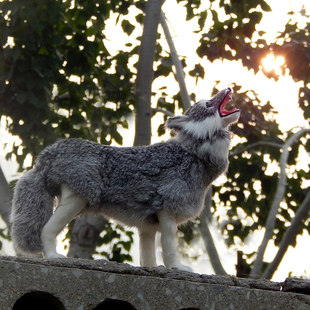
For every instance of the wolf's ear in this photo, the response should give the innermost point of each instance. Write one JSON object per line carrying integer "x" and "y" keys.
{"x": 176, "y": 122}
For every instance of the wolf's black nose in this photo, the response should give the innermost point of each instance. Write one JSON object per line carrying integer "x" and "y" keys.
{"x": 229, "y": 89}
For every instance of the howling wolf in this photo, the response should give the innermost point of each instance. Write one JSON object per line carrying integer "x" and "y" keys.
{"x": 154, "y": 188}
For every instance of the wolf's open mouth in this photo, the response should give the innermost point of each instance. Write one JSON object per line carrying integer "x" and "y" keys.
{"x": 227, "y": 98}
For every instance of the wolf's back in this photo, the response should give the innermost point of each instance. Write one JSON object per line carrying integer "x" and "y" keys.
{"x": 31, "y": 209}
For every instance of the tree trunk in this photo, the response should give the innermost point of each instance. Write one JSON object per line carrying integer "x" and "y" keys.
{"x": 6, "y": 195}
{"x": 145, "y": 73}
{"x": 87, "y": 228}
{"x": 84, "y": 235}
{"x": 208, "y": 239}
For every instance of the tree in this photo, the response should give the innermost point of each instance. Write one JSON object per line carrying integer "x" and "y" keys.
{"x": 5, "y": 197}
{"x": 87, "y": 229}
{"x": 145, "y": 74}
{"x": 56, "y": 73}
{"x": 58, "y": 79}
{"x": 233, "y": 40}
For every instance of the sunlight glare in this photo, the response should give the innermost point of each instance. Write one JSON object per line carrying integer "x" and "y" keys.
{"x": 273, "y": 63}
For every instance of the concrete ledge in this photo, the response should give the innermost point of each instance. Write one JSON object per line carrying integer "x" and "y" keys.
{"x": 76, "y": 284}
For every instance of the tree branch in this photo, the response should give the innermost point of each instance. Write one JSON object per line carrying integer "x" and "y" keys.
{"x": 177, "y": 64}
{"x": 270, "y": 223}
{"x": 204, "y": 228}
{"x": 207, "y": 238}
{"x": 254, "y": 145}
{"x": 289, "y": 236}
{"x": 164, "y": 111}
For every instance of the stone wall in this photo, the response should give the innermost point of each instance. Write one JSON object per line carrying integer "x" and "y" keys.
{"x": 75, "y": 284}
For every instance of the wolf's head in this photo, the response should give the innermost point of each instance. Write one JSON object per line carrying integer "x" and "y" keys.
{"x": 206, "y": 117}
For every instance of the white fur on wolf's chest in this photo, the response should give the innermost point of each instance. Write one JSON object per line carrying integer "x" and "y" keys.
{"x": 204, "y": 130}
{"x": 218, "y": 149}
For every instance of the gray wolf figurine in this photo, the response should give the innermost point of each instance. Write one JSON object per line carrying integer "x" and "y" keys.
{"x": 154, "y": 188}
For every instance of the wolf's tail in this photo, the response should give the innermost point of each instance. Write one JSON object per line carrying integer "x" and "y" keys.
{"x": 31, "y": 209}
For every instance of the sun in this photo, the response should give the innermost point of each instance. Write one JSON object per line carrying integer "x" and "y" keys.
{"x": 273, "y": 64}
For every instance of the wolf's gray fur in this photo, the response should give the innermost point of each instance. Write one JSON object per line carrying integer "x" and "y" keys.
{"x": 129, "y": 184}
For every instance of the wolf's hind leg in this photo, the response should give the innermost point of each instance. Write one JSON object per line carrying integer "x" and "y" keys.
{"x": 147, "y": 235}
{"x": 168, "y": 229}
{"x": 70, "y": 205}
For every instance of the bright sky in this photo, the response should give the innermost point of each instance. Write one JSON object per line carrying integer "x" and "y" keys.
{"x": 227, "y": 72}
{"x": 283, "y": 95}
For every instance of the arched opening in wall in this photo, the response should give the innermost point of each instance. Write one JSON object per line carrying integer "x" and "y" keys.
{"x": 115, "y": 304}
{"x": 37, "y": 300}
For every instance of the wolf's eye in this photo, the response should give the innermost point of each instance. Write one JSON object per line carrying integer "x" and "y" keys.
{"x": 208, "y": 104}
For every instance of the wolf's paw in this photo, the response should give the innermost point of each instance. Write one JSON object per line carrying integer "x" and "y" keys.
{"x": 182, "y": 267}
{"x": 53, "y": 255}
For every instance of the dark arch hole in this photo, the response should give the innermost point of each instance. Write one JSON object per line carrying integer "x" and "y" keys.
{"x": 38, "y": 301}
{"x": 115, "y": 304}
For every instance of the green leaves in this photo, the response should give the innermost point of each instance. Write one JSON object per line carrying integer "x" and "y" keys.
{"x": 115, "y": 243}
{"x": 265, "y": 6}
{"x": 202, "y": 19}
{"x": 249, "y": 188}
{"x": 197, "y": 72}
{"x": 127, "y": 27}
{"x": 234, "y": 33}
{"x": 59, "y": 62}
{"x": 191, "y": 6}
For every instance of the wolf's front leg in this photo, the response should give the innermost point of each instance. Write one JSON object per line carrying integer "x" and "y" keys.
{"x": 147, "y": 235}
{"x": 168, "y": 229}
{"x": 70, "y": 205}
